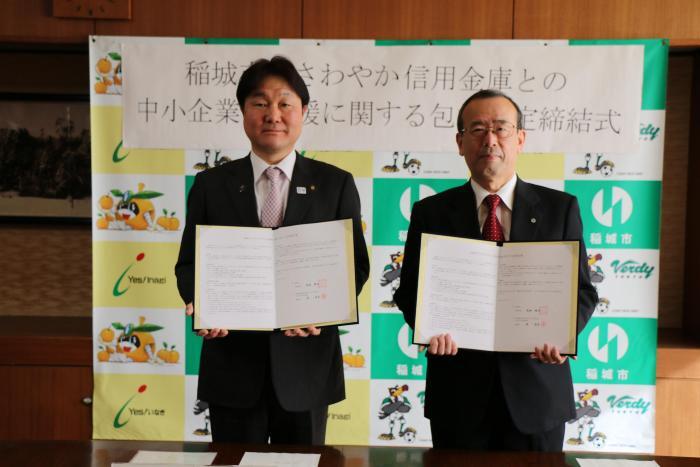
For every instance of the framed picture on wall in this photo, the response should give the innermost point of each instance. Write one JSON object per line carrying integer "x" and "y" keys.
{"x": 44, "y": 156}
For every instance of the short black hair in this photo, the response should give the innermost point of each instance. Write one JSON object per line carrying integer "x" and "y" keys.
{"x": 259, "y": 70}
{"x": 488, "y": 94}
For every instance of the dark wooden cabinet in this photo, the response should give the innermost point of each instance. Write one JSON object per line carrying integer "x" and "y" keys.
{"x": 45, "y": 378}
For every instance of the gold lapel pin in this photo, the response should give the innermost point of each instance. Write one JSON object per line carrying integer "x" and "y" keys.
{"x": 312, "y": 187}
{"x": 533, "y": 220}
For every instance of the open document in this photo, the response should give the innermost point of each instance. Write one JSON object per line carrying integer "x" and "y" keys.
{"x": 254, "y": 278}
{"x": 508, "y": 298}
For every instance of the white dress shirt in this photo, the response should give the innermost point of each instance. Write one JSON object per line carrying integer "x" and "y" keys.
{"x": 504, "y": 211}
{"x": 262, "y": 184}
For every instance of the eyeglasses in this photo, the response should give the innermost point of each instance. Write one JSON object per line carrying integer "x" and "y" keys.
{"x": 502, "y": 130}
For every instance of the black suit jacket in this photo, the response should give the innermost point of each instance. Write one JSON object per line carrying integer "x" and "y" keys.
{"x": 306, "y": 372}
{"x": 539, "y": 396}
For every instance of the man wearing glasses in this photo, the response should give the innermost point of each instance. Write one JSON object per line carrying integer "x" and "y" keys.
{"x": 495, "y": 400}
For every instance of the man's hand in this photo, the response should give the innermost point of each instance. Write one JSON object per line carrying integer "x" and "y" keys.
{"x": 303, "y": 332}
{"x": 212, "y": 333}
{"x": 206, "y": 333}
{"x": 548, "y": 354}
{"x": 442, "y": 345}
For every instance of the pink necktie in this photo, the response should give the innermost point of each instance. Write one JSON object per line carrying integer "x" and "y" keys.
{"x": 271, "y": 214}
{"x": 492, "y": 228}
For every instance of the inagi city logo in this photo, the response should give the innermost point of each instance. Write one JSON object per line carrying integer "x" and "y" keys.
{"x": 613, "y": 206}
{"x": 117, "y": 156}
{"x": 608, "y": 343}
{"x": 120, "y": 288}
{"x": 118, "y": 423}
{"x": 124, "y": 414}
{"x": 117, "y": 290}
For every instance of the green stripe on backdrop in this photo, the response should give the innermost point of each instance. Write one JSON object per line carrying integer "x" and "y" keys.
{"x": 232, "y": 41}
{"x": 424, "y": 42}
{"x": 655, "y": 67}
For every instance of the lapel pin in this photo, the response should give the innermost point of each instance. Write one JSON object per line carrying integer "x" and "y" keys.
{"x": 301, "y": 190}
{"x": 241, "y": 188}
{"x": 312, "y": 187}
{"x": 533, "y": 220}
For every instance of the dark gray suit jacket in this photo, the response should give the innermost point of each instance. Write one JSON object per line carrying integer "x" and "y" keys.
{"x": 539, "y": 396}
{"x": 306, "y": 372}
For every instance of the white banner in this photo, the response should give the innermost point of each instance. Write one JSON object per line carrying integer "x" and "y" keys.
{"x": 388, "y": 98}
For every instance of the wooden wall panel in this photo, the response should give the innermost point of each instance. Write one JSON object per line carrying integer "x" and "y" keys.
{"x": 209, "y": 18}
{"x": 47, "y": 270}
{"x": 678, "y": 20}
{"x": 677, "y": 396}
{"x": 677, "y": 417}
{"x": 31, "y": 21}
{"x": 407, "y": 19}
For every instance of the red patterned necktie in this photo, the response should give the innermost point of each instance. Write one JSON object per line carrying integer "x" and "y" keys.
{"x": 492, "y": 228}
{"x": 271, "y": 214}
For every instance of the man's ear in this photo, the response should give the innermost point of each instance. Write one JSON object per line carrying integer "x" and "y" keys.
{"x": 304, "y": 108}
{"x": 521, "y": 139}
{"x": 458, "y": 138}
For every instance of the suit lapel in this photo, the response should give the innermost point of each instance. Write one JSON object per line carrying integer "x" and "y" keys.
{"x": 524, "y": 223}
{"x": 302, "y": 189}
{"x": 241, "y": 190}
{"x": 463, "y": 214}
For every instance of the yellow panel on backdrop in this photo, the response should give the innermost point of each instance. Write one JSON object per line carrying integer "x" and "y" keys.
{"x": 138, "y": 407}
{"x": 348, "y": 421}
{"x": 108, "y": 155}
{"x": 544, "y": 166}
{"x": 359, "y": 163}
{"x": 140, "y": 275}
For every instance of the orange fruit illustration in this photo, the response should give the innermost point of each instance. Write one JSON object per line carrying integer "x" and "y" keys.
{"x": 107, "y": 335}
{"x": 104, "y": 66}
{"x": 102, "y": 223}
{"x": 174, "y": 356}
{"x": 102, "y": 355}
{"x": 163, "y": 222}
{"x": 354, "y": 360}
{"x": 106, "y": 202}
{"x": 117, "y": 80}
{"x": 100, "y": 87}
{"x": 163, "y": 353}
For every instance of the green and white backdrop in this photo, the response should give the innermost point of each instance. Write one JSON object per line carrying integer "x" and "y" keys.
{"x": 164, "y": 109}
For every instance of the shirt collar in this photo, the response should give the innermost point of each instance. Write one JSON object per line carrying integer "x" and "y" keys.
{"x": 506, "y": 193}
{"x": 286, "y": 165}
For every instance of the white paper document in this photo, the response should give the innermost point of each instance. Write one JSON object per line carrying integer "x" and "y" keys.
{"x": 615, "y": 463}
{"x": 250, "y": 278}
{"x": 280, "y": 459}
{"x": 139, "y": 464}
{"x": 507, "y": 298}
{"x": 172, "y": 458}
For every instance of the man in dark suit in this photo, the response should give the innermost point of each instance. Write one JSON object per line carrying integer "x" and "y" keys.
{"x": 277, "y": 385}
{"x": 495, "y": 400}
